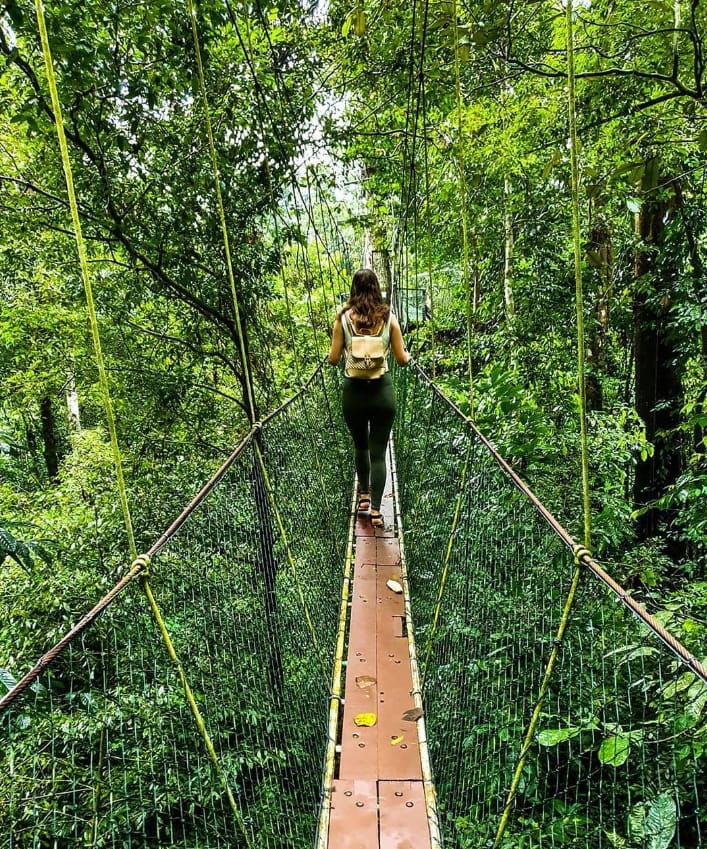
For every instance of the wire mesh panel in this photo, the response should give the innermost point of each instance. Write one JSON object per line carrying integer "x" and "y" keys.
{"x": 618, "y": 755}
{"x": 104, "y": 750}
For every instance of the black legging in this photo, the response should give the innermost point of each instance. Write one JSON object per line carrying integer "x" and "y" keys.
{"x": 369, "y": 410}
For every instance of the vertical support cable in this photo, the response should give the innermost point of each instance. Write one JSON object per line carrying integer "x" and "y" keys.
{"x": 81, "y": 246}
{"x": 579, "y": 552}
{"x": 465, "y": 222}
{"x": 88, "y": 289}
{"x": 248, "y": 378}
{"x": 577, "y": 250}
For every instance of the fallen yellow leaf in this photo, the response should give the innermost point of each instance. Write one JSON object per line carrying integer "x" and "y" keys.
{"x": 365, "y": 719}
{"x": 395, "y": 740}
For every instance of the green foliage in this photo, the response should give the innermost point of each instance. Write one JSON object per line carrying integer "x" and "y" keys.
{"x": 23, "y": 552}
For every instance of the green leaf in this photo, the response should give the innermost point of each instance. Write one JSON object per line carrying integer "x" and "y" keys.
{"x": 614, "y": 750}
{"x": 359, "y": 21}
{"x": 553, "y": 736}
{"x": 660, "y": 823}
{"x": 616, "y": 839}
{"x": 702, "y": 139}
{"x": 347, "y": 23}
{"x": 7, "y": 679}
{"x": 555, "y": 159}
{"x": 637, "y": 822}
{"x": 633, "y": 204}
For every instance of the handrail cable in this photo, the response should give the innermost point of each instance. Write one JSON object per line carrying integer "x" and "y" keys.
{"x": 141, "y": 563}
{"x": 580, "y": 552}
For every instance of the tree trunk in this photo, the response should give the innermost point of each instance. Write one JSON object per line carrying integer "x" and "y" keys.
{"x": 51, "y": 457}
{"x": 658, "y": 380}
{"x": 600, "y": 256}
{"x": 508, "y": 298}
{"x": 698, "y": 274}
{"x": 380, "y": 263}
{"x": 72, "y": 402}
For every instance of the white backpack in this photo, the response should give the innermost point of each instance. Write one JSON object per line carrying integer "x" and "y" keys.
{"x": 365, "y": 355}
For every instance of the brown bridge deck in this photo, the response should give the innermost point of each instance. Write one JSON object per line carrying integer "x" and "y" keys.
{"x": 379, "y": 791}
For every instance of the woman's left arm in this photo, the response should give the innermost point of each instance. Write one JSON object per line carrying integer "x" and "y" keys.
{"x": 336, "y": 348}
{"x": 402, "y": 358}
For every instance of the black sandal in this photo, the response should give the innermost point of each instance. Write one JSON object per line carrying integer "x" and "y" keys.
{"x": 377, "y": 521}
{"x": 364, "y": 503}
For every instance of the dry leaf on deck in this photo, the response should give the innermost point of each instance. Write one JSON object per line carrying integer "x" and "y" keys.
{"x": 413, "y": 714}
{"x": 394, "y": 586}
{"x": 365, "y": 719}
{"x": 363, "y": 681}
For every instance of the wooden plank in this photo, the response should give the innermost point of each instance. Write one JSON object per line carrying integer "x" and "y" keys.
{"x": 354, "y": 815}
{"x": 359, "y": 744}
{"x": 378, "y": 799}
{"x": 387, "y": 552}
{"x": 398, "y": 746}
{"x": 402, "y": 816}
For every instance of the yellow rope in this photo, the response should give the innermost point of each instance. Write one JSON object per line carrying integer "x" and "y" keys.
{"x": 246, "y": 366}
{"x": 530, "y": 733}
{"x": 291, "y": 561}
{"x": 579, "y": 299}
{"x": 88, "y": 289}
{"x": 222, "y": 213}
{"x": 201, "y": 725}
{"x": 142, "y": 560}
{"x": 580, "y": 552}
{"x": 447, "y": 558}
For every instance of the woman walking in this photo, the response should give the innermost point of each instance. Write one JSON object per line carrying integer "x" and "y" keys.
{"x": 366, "y": 330}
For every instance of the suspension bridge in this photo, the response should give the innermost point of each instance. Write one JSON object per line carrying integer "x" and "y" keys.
{"x": 261, "y": 585}
{"x": 271, "y": 674}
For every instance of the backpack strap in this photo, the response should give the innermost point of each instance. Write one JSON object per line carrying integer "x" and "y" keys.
{"x": 346, "y": 329}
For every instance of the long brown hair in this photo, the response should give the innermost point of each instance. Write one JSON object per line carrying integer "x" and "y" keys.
{"x": 366, "y": 300}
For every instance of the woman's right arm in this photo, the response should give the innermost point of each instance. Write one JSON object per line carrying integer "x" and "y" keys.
{"x": 337, "y": 342}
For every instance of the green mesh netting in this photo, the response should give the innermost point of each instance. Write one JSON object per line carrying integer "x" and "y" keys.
{"x": 619, "y": 758}
{"x": 103, "y": 750}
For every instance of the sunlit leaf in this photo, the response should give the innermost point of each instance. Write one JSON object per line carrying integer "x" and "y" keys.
{"x": 614, "y": 750}
{"x": 365, "y": 719}
{"x": 7, "y": 679}
{"x": 553, "y": 736}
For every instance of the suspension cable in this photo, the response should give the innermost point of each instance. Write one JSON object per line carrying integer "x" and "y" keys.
{"x": 246, "y": 366}
{"x": 88, "y": 288}
{"x": 247, "y": 375}
{"x": 580, "y": 553}
{"x": 579, "y": 297}
{"x": 464, "y": 210}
